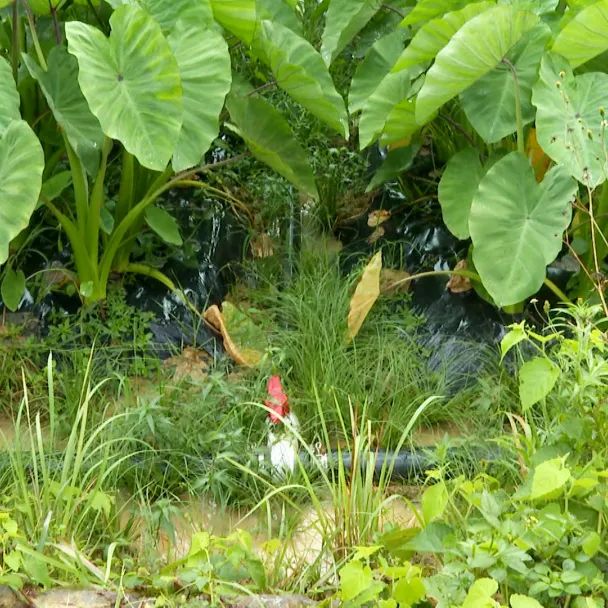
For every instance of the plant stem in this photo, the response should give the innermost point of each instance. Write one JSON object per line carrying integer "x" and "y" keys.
{"x": 148, "y": 271}
{"x": 81, "y": 187}
{"x": 15, "y": 45}
{"x": 161, "y": 277}
{"x": 125, "y": 193}
{"x": 84, "y": 265}
{"x": 518, "y": 117}
{"x": 30, "y": 21}
{"x": 469, "y": 274}
{"x": 556, "y": 290}
{"x": 96, "y": 202}
{"x": 598, "y": 275}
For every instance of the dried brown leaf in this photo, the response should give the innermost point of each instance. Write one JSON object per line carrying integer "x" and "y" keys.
{"x": 240, "y": 355}
{"x": 366, "y": 294}
{"x": 262, "y": 246}
{"x": 458, "y": 283}
{"x": 191, "y": 364}
{"x": 393, "y": 281}
{"x": 377, "y": 217}
{"x": 378, "y": 233}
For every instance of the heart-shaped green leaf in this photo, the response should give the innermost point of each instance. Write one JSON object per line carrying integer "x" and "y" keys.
{"x": 9, "y": 97}
{"x": 490, "y": 103}
{"x": 373, "y": 69}
{"x": 237, "y": 16}
{"x": 343, "y": 20}
{"x": 21, "y": 166}
{"x": 131, "y": 82}
{"x": 270, "y": 139}
{"x": 585, "y": 36}
{"x": 435, "y": 34}
{"x": 167, "y": 14}
{"x": 457, "y": 188}
{"x": 476, "y": 48}
{"x": 12, "y": 289}
{"x": 164, "y": 225}
{"x": 300, "y": 71}
{"x": 281, "y": 11}
{"x": 517, "y": 226}
{"x": 537, "y": 377}
{"x": 549, "y": 479}
{"x": 59, "y": 85}
{"x": 571, "y": 119}
{"x": 425, "y": 10}
{"x": 204, "y": 64}
{"x": 391, "y": 96}
{"x": 480, "y": 594}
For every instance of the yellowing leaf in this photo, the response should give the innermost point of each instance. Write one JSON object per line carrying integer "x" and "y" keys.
{"x": 191, "y": 364}
{"x": 538, "y": 159}
{"x": 243, "y": 333}
{"x": 366, "y": 294}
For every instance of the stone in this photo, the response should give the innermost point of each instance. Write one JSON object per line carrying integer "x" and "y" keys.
{"x": 85, "y": 598}
{"x": 10, "y": 599}
{"x": 272, "y": 601}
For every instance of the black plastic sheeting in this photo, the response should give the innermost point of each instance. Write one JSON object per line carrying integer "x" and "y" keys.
{"x": 461, "y": 331}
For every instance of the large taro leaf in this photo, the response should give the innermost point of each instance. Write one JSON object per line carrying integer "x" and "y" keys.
{"x": 300, "y": 71}
{"x": 9, "y": 97}
{"x": 425, "y": 10}
{"x": 59, "y": 85}
{"x": 540, "y": 7}
{"x": 21, "y": 166}
{"x": 281, "y": 11}
{"x": 517, "y": 225}
{"x": 237, "y": 16}
{"x": 131, "y": 82}
{"x": 477, "y": 47}
{"x": 391, "y": 96}
{"x": 204, "y": 65}
{"x": 343, "y": 20}
{"x": 490, "y": 103}
{"x": 435, "y": 34}
{"x": 167, "y": 14}
{"x": 570, "y": 119}
{"x": 270, "y": 139}
{"x": 373, "y": 69}
{"x": 457, "y": 188}
{"x": 400, "y": 123}
{"x": 585, "y": 36}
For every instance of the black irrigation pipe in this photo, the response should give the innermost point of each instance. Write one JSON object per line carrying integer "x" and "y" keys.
{"x": 407, "y": 465}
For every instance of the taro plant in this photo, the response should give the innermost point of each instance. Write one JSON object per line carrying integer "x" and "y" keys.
{"x": 146, "y": 88}
{"x": 523, "y": 81}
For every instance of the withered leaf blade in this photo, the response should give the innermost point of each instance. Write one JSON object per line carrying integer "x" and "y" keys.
{"x": 377, "y": 217}
{"x": 458, "y": 283}
{"x": 366, "y": 294}
{"x": 232, "y": 323}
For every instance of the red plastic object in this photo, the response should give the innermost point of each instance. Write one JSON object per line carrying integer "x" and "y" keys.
{"x": 278, "y": 402}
